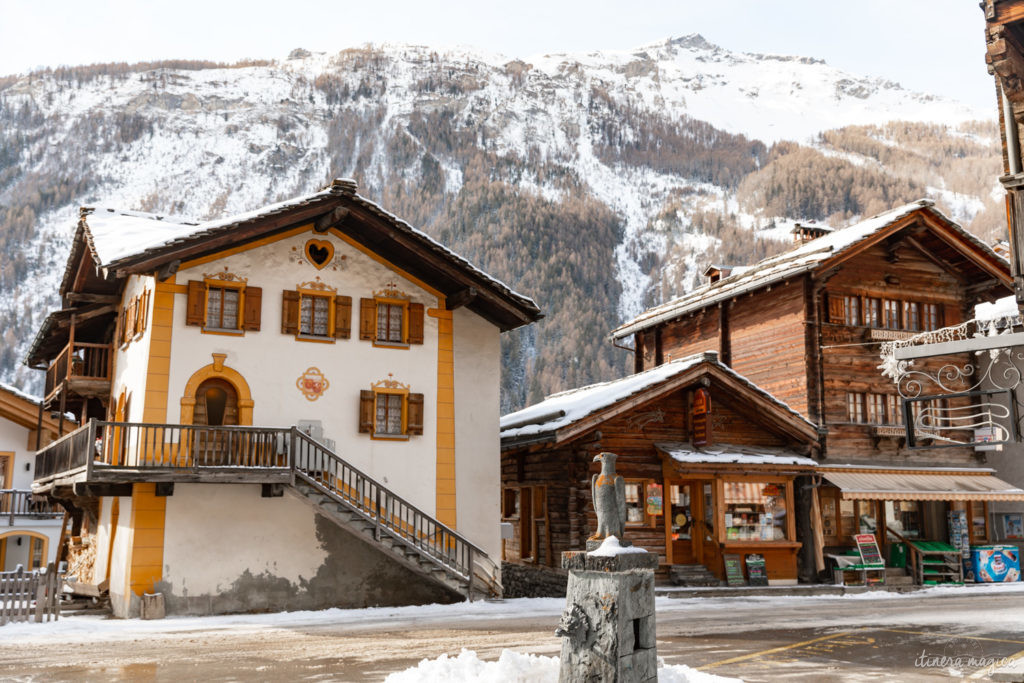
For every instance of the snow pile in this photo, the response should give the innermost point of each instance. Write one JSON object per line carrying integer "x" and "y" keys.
{"x": 1000, "y": 308}
{"x": 514, "y": 667}
{"x": 611, "y": 547}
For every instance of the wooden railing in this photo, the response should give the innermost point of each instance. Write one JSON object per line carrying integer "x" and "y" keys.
{"x": 19, "y": 503}
{"x": 389, "y": 512}
{"x": 80, "y": 359}
{"x": 169, "y": 447}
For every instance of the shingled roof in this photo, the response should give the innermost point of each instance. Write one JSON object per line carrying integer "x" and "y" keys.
{"x": 803, "y": 259}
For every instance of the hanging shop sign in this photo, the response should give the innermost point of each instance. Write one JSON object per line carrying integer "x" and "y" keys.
{"x": 699, "y": 414}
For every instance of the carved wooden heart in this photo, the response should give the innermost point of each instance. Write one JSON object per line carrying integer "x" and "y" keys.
{"x": 319, "y": 253}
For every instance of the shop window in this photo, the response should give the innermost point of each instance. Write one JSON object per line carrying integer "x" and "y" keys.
{"x": 932, "y": 316}
{"x": 842, "y": 519}
{"x": 873, "y": 312}
{"x": 977, "y": 519}
{"x": 224, "y": 305}
{"x": 855, "y": 406}
{"x": 755, "y": 511}
{"x": 636, "y": 510}
{"x": 390, "y": 412}
{"x": 682, "y": 514}
{"x": 852, "y": 305}
{"x": 904, "y": 517}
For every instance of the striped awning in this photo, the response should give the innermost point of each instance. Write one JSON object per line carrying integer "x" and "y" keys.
{"x": 890, "y": 485}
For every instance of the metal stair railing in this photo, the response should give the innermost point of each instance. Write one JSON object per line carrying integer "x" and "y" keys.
{"x": 390, "y": 514}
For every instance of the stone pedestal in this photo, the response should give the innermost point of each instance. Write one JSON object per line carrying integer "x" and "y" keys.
{"x": 608, "y": 625}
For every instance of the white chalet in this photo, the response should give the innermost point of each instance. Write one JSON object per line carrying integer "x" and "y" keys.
{"x": 291, "y": 408}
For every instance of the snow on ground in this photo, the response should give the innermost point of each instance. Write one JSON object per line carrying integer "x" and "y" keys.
{"x": 513, "y": 667}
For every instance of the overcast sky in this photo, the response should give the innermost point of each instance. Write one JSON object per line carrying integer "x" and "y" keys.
{"x": 935, "y": 46}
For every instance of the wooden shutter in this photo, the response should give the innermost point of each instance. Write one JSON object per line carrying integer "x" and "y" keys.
{"x": 836, "y": 309}
{"x": 143, "y": 312}
{"x": 342, "y": 317}
{"x": 367, "y": 319}
{"x": 414, "y": 418}
{"x": 252, "y": 309}
{"x": 366, "y": 406}
{"x": 195, "y": 311}
{"x": 129, "y": 325}
{"x": 415, "y": 323}
{"x": 290, "y": 312}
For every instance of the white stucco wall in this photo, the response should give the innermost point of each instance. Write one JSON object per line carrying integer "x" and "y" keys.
{"x": 120, "y": 553}
{"x": 477, "y": 444}
{"x": 131, "y": 362}
{"x": 271, "y": 362}
{"x": 14, "y": 439}
{"x": 214, "y": 533}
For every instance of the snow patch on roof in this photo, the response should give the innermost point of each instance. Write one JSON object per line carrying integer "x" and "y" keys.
{"x": 998, "y": 309}
{"x": 19, "y": 393}
{"x": 801, "y": 259}
{"x": 730, "y": 454}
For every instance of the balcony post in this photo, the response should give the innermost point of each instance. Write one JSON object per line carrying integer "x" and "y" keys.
{"x": 91, "y": 445}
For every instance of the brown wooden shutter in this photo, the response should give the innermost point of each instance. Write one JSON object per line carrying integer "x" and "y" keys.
{"x": 836, "y": 309}
{"x": 129, "y": 325}
{"x": 253, "y": 308}
{"x": 289, "y": 312}
{"x": 342, "y": 317}
{"x": 367, "y": 319}
{"x": 366, "y": 410}
{"x": 195, "y": 311}
{"x": 143, "y": 312}
{"x": 415, "y": 323}
{"x": 414, "y": 418}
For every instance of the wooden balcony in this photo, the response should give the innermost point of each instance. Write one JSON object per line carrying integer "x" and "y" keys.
{"x": 20, "y": 504}
{"x": 84, "y": 367}
{"x": 123, "y": 452}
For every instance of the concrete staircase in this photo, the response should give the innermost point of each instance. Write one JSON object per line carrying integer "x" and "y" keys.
{"x": 692, "y": 575}
{"x": 381, "y": 518}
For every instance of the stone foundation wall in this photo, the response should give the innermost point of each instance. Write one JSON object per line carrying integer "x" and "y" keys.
{"x": 525, "y": 581}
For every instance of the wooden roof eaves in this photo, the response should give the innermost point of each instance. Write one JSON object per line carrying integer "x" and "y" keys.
{"x": 24, "y": 412}
{"x": 793, "y": 425}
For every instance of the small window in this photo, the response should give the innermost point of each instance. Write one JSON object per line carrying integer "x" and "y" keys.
{"x": 911, "y": 316}
{"x": 892, "y": 409}
{"x": 315, "y": 315}
{"x": 391, "y": 322}
{"x": 389, "y": 410}
{"x": 852, "y": 310}
{"x": 891, "y": 308}
{"x": 932, "y": 316}
{"x": 855, "y": 407}
{"x": 876, "y": 408}
{"x": 873, "y": 312}
{"x": 222, "y": 304}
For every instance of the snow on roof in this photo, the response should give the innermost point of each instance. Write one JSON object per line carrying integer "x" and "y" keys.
{"x": 115, "y": 235}
{"x": 998, "y": 309}
{"x": 730, "y": 454}
{"x": 19, "y": 393}
{"x": 567, "y": 407}
{"x": 793, "y": 262}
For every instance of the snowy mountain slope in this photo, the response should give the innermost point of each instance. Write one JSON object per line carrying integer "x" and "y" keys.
{"x": 641, "y": 149}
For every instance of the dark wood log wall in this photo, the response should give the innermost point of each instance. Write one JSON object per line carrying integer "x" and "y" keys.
{"x": 692, "y": 334}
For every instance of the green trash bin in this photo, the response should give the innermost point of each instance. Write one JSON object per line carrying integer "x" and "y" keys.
{"x": 898, "y": 555}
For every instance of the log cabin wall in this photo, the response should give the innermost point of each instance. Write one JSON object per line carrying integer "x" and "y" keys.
{"x": 694, "y": 333}
{"x": 850, "y": 347}
{"x": 767, "y": 341}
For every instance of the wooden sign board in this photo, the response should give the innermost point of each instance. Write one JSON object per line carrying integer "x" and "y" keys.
{"x": 756, "y": 571}
{"x": 699, "y": 416}
{"x": 867, "y": 545}
{"x": 733, "y": 570}
{"x": 654, "y": 499}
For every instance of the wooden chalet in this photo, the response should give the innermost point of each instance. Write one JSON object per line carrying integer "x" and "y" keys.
{"x": 713, "y": 467}
{"x": 807, "y": 325}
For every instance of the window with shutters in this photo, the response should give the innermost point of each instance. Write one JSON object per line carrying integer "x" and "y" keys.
{"x": 314, "y": 311}
{"x": 391, "y": 319}
{"x": 390, "y": 411}
{"x": 132, "y": 324}
{"x": 224, "y": 304}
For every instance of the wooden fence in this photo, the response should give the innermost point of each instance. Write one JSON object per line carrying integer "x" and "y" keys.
{"x": 30, "y": 596}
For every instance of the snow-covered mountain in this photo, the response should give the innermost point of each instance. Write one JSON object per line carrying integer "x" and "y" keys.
{"x": 598, "y": 183}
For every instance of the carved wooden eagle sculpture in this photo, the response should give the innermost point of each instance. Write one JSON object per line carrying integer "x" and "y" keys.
{"x": 609, "y": 495}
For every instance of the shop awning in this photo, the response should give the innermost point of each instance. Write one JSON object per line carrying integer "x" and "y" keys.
{"x": 918, "y": 485}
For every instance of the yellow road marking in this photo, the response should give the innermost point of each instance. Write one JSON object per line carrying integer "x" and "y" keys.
{"x": 782, "y": 648}
{"x": 950, "y": 635}
{"x": 982, "y": 673}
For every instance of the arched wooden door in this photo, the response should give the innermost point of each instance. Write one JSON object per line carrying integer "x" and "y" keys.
{"x": 216, "y": 406}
